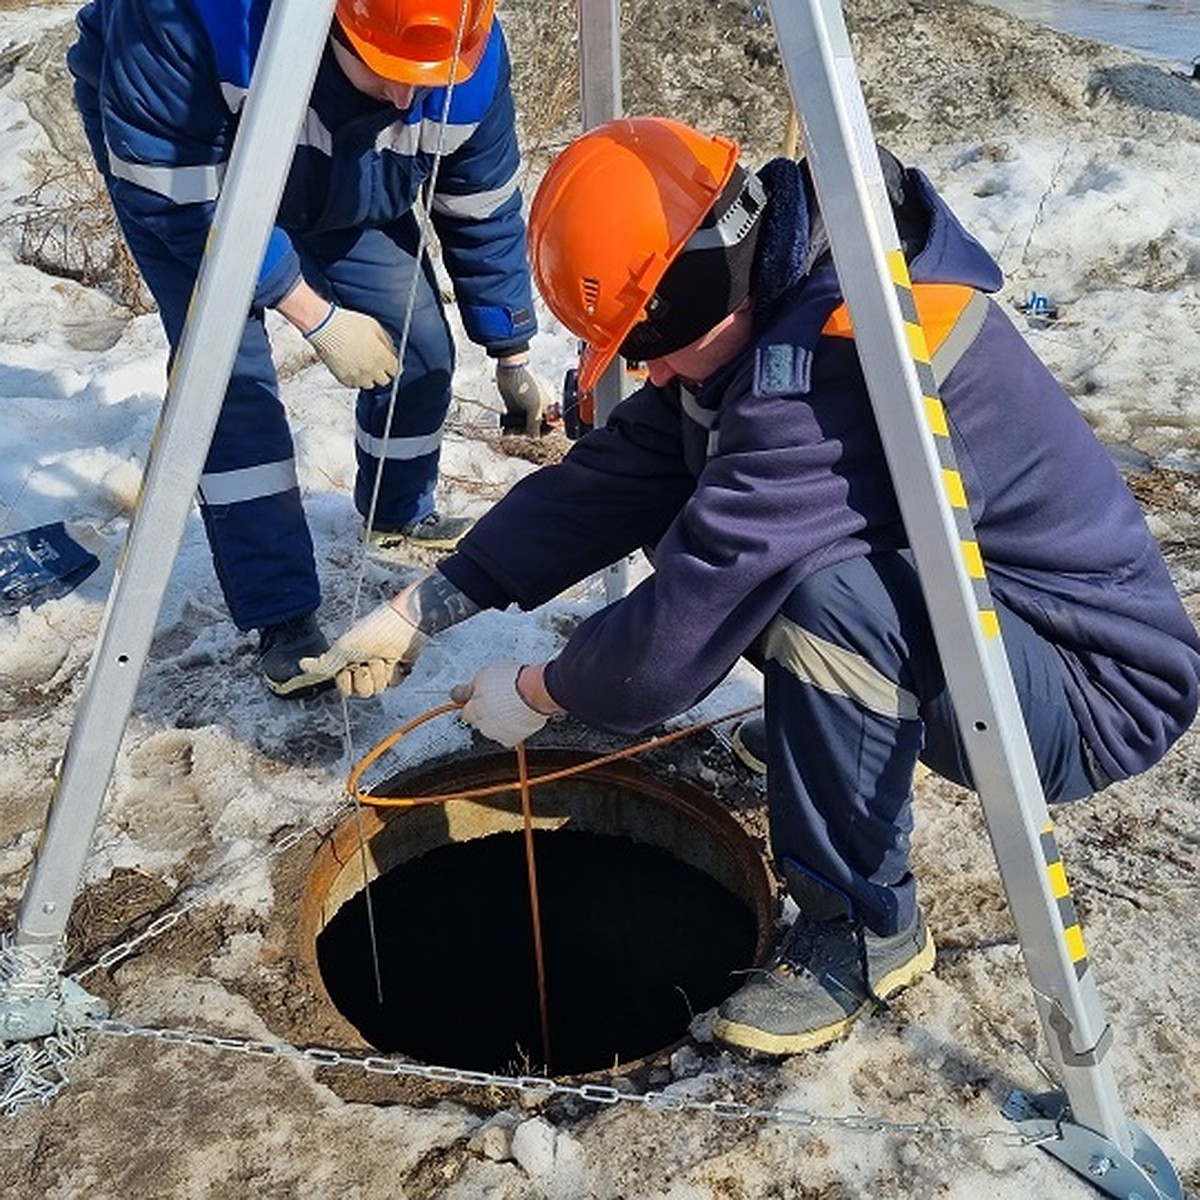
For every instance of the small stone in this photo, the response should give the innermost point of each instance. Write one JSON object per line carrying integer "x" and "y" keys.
{"x": 493, "y": 1140}
{"x": 686, "y": 1062}
{"x": 533, "y": 1147}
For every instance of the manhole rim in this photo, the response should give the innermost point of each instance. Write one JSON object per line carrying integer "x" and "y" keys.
{"x": 343, "y": 846}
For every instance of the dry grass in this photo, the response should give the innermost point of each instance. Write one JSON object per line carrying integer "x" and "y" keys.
{"x": 65, "y": 226}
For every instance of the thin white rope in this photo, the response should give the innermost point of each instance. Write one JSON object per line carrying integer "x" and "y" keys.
{"x": 425, "y": 224}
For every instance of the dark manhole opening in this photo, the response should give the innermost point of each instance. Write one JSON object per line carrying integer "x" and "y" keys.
{"x": 635, "y": 944}
{"x": 638, "y": 937}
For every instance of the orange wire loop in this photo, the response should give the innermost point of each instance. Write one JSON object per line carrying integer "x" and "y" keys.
{"x": 523, "y": 784}
{"x": 496, "y": 789}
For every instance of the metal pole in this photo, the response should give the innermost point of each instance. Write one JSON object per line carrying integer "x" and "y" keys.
{"x": 826, "y": 93}
{"x": 600, "y": 101}
{"x": 293, "y": 42}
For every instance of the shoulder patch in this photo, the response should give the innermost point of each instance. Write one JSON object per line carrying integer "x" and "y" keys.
{"x": 782, "y": 368}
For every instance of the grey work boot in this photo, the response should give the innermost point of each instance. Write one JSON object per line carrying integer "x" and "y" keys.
{"x": 431, "y": 532}
{"x": 280, "y": 649}
{"x": 814, "y": 988}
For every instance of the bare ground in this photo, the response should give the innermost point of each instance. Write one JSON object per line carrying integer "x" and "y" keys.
{"x": 143, "y": 1118}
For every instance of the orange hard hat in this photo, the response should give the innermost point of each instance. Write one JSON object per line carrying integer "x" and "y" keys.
{"x": 611, "y": 214}
{"x": 414, "y": 41}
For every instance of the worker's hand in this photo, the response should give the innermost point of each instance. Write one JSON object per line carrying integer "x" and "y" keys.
{"x": 493, "y": 705}
{"x": 374, "y": 654}
{"x": 355, "y": 348}
{"x": 526, "y": 398}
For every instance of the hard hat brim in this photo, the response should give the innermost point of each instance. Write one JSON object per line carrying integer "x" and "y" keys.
{"x": 433, "y": 73}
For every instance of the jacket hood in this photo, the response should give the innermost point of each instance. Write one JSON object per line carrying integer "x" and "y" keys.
{"x": 794, "y": 240}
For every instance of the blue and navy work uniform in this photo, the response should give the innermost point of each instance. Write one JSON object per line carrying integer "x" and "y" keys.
{"x": 160, "y": 85}
{"x": 777, "y": 535}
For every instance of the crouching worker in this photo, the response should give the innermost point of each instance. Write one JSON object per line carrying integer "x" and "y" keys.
{"x": 411, "y": 99}
{"x": 750, "y": 460}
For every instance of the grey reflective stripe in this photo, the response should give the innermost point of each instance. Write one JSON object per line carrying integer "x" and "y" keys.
{"x": 836, "y": 670}
{"x": 963, "y": 333}
{"x": 248, "y": 483}
{"x": 400, "y": 139}
{"x": 183, "y": 185}
{"x": 423, "y": 135}
{"x": 477, "y": 205}
{"x": 704, "y": 417}
{"x": 737, "y": 221}
{"x": 396, "y": 447}
{"x": 314, "y": 133}
{"x": 235, "y": 96}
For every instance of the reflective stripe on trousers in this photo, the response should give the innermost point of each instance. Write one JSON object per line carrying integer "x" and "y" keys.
{"x": 250, "y": 502}
{"x": 854, "y": 694}
{"x": 373, "y": 271}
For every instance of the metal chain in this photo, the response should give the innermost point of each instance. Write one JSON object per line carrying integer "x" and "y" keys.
{"x": 35, "y": 1072}
{"x": 47, "y": 1083}
{"x": 529, "y": 1085}
{"x": 25, "y": 975}
{"x": 122, "y": 950}
{"x": 543, "y": 1087}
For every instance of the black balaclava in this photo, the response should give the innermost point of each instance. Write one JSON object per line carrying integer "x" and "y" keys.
{"x": 709, "y": 278}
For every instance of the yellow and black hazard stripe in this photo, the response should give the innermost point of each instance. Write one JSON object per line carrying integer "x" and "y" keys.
{"x": 1061, "y": 890}
{"x": 940, "y": 322}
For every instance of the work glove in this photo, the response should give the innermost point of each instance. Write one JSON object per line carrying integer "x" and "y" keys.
{"x": 492, "y": 704}
{"x": 355, "y": 348}
{"x": 373, "y": 655}
{"x": 526, "y": 398}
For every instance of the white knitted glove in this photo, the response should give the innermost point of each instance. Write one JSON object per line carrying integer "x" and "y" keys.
{"x": 374, "y": 654}
{"x": 526, "y": 398}
{"x": 355, "y": 348}
{"x": 493, "y": 705}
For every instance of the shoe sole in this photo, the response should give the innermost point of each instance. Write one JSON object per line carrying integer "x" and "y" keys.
{"x": 748, "y": 757}
{"x": 381, "y": 539}
{"x": 413, "y": 550}
{"x": 779, "y": 1045}
{"x": 299, "y": 687}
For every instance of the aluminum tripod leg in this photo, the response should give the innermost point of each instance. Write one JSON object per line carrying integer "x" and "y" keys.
{"x": 293, "y": 42}
{"x": 815, "y": 48}
{"x": 599, "y": 24}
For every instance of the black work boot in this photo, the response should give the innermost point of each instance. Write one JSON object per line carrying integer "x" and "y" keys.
{"x": 749, "y": 743}
{"x": 827, "y": 972}
{"x": 280, "y": 649}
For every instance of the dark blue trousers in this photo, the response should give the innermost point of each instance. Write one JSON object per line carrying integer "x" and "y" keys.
{"x": 854, "y": 696}
{"x": 249, "y": 496}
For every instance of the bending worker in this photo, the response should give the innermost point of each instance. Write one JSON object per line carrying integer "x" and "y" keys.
{"x": 406, "y": 105}
{"x": 751, "y": 463}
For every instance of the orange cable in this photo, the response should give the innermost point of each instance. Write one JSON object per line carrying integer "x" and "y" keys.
{"x": 496, "y": 789}
{"x": 524, "y": 784}
{"x": 534, "y": 906}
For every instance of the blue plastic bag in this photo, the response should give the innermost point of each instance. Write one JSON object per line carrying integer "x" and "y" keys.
{"x": 40, "y": 564}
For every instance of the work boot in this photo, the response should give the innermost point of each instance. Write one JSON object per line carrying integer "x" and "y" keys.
{"x": 431, "y": 532}
{"x": 749, "y": 743}
{"x": 814, "y": 988}
{"x": 280, "y": 649}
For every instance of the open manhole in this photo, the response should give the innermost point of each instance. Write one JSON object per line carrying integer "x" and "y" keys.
{"x": 652, "y": 900}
